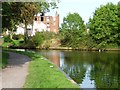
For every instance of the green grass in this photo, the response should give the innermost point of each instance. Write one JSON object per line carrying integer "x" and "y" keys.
{"x": 4, "y": 59}
{"x": 41, "y": 75}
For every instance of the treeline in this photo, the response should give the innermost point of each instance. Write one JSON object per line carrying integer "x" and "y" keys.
{"x": 102, "y": 30}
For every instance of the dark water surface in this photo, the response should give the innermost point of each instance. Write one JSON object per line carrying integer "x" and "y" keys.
{"x": 88, "y": 69}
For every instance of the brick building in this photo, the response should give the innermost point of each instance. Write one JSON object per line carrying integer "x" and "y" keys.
{"x": 51, "y": 22}
{"x": 41, "y": 23}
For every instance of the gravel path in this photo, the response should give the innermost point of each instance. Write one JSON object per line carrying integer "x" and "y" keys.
{"x": 14, "y": 75}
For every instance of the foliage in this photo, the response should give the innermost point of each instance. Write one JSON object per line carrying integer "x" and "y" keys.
{"x": 40, "y": 40}
{"x": 48, "y": 39}
{"x": 72, "y": 30}
{"x": 37, "y": 39}
{"x": 118, "y": 40}
{"x": 18, "y": 37}
{"x": 104, "y": 25}
{"x": 103, "y": 29}
{"x": 4, "y": 59}
{"x": 73, "y": 22}
{"x": 48, "y": 35}
{"x": 15, "y": 42}
{"x": 9, "y": 20}
{"x": 7, "y": 38}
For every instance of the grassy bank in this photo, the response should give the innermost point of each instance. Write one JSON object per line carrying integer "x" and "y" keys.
{"x": 43, "y": 75}
{"x": 4, "y": 59}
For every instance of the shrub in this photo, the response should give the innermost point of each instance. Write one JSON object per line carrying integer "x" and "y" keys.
{"x": 37, "y": 39}
{"x": 18, "y": 37}
{"x": 7, "y": 38}
{"x": 30, "y": 44}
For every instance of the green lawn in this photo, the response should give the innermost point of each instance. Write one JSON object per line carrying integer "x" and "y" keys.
{"x": 4, "y": 59}
{"x": 41, "y": 75}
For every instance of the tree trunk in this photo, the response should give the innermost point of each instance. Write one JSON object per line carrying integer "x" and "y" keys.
{"x": 32, "y": 22}
{"x": 25, "y": 33}
{"x": 11, "y": 34}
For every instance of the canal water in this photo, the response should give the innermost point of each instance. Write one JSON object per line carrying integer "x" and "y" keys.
{"x": 88, "y": 69}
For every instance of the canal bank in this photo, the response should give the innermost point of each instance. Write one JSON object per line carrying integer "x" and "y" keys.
{"x": 90, "y": 69}
{"x": 85, "y": 67}
{"x": 43, "y": 74}
{"x": 70, "y": 48}
{"x": 84, "y": 49}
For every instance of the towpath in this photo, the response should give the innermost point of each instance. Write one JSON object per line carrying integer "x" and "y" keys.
{"x": 14, "y": 75}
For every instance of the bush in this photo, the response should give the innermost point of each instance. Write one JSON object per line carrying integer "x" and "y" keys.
{"x": 30, "y": 44}
{"x": 38, "y": 39}
{"x": 18, "y": 37}
{"x": 7, "y": 38}
{"x": 48, "y": 35}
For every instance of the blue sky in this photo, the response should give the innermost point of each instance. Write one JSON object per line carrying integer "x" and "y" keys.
{"x": 85, "y": 8}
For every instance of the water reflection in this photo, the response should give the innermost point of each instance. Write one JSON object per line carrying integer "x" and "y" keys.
{"x": 53, "y": 56}
{"x": 87, "y": 82}
{"x": 88, "y": 69}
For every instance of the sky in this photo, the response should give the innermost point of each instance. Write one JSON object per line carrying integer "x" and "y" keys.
{"x": 85, "y": 8}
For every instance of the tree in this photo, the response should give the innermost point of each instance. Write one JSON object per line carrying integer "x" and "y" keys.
{"x": 73, "y": 22}
{"x": 38, "y": 39}
{"x": 118, "y": 23}
{"x": 8, "y": 19}
{"x": 72, "y": 30}
{"x": 27, "y": 12}
{"x": 23, "y": 12}
{"x": 104, "y": 25}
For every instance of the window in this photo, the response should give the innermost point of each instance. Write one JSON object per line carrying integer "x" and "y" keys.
{"x": 42, "y": 18}
{"x": 35, "y": 18}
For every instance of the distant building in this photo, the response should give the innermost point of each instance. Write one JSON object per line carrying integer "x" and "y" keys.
{"x": 41, "y": 23}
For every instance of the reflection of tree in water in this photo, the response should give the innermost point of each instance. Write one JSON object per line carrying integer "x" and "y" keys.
{"x": 104, "y": 67}
{"x": 76, "y": 72}
{"x": 74, "y": 68}
{"x": 105, "y": 70}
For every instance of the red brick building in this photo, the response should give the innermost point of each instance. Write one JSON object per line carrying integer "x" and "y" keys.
{"x": 51, "y": 22}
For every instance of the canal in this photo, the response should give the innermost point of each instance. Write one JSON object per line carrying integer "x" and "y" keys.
{"x": 89, "y": 69}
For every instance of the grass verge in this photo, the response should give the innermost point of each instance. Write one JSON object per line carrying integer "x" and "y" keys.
{"x": 41, "y": 75}
{"x": 4, "y": 59}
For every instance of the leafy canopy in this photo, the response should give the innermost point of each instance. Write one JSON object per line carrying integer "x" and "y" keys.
{"x": 73, "y": 22}
{"x": 104, "y": 25}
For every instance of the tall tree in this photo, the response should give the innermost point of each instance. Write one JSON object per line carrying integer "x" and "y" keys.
{"x": 27, "y": 12}
{"x": 24, "y": 12}
{"x": 8, "y": 19}
{"x": 72, "y": 30}
{"x": 118, "y": 5}
{"x": 104, "y": 25}
{"x": 73, "y": 22}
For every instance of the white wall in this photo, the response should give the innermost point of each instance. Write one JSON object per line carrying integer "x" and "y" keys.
{"x": 36, "y": 27}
